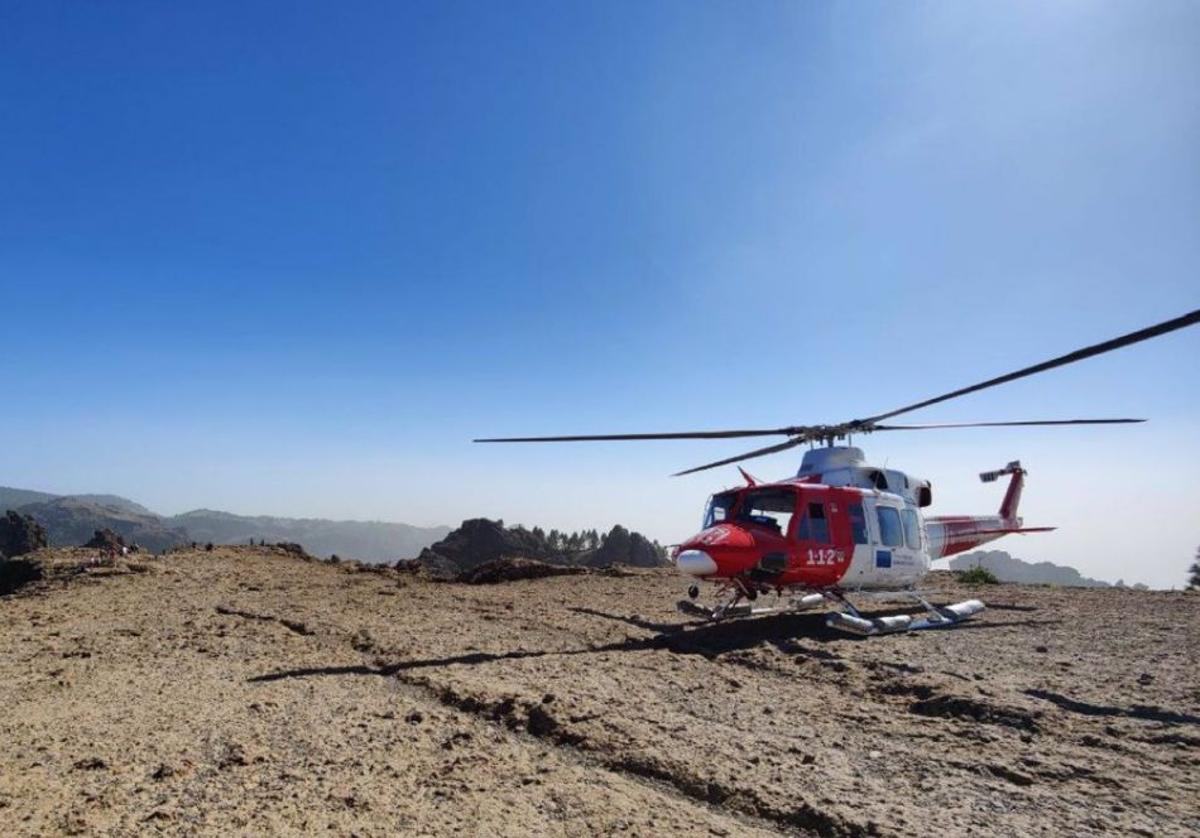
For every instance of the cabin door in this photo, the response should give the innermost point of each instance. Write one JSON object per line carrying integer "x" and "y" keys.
{"x": 897, "y": 553}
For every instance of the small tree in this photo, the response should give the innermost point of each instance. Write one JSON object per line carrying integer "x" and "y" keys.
{"x": 1194, "y": 570}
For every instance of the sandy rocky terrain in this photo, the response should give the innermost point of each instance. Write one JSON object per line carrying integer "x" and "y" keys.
{"x": 246, "y": 691}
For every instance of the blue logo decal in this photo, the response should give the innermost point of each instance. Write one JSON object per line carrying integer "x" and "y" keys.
{"x": 883, "y": 558}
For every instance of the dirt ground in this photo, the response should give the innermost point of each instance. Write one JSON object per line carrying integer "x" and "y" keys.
{"x": 246, "y": 691}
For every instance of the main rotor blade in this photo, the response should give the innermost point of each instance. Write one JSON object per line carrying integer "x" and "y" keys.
{"x": 680, "y": 435}
{"x": 1003, "y": 424}
{"x": 1163, "y": 328}
{"x": 749, "y": 455}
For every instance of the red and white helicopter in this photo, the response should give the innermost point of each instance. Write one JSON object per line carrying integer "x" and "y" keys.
{"x": 841, "y": 526}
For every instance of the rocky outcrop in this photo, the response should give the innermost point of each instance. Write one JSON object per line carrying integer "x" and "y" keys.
{"x": 481, "y": 541}
{"x": 105, "y": 539}
{"x": 20, "y": 534}
{"x": 620, "y": 546}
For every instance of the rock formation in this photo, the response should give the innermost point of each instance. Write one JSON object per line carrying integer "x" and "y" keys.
{"x": 20, "y": 534}
{"x": 481, "y": 540}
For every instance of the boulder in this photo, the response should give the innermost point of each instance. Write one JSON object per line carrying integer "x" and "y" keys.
{"x": 294, "y": 549}
{"x": 105, "y": 539}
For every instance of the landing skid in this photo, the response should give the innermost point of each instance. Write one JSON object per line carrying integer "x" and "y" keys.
{"x": 736, "y": 607}
{"x": 846, "y": 618}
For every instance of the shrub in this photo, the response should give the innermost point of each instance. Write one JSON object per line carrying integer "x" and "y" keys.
{"x": 978, "y": 575}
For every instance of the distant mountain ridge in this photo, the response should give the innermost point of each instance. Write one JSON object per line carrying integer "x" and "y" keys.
{"x": 362, "y": 540}
{"x": 1006, "y": 568}
{"x": 15, "y": 498}
{"x": 72, "y": 519}
{"x": 11, "y": 498}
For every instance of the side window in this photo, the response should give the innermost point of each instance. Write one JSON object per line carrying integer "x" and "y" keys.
{"x": 912, "y": 529}
{"x": 818, "y": 524}
{"x": 858, "y": 523}
{"x": 890, "y": 531}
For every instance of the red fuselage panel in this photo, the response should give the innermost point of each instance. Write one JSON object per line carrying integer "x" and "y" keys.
{"x": 790, "y": 557}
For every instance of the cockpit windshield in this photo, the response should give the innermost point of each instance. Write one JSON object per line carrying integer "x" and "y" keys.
{"x": 720, "y": 508}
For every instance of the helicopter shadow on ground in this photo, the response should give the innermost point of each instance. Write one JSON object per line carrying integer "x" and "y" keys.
{"x": 708, "y": 640}
{"x": 809, "y": 625}
{"x": 784, "y": 632}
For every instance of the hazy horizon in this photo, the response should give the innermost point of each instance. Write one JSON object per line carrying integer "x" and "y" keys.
{"x": 284, "y": 261}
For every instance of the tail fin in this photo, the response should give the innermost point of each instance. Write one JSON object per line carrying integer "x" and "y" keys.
{"x": 1008, "y": 507}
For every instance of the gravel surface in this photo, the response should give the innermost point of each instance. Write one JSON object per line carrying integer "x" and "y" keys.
{"x": 248, "y": 691}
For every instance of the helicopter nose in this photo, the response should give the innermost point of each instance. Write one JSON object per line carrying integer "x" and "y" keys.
{"x": 695, "y": 563}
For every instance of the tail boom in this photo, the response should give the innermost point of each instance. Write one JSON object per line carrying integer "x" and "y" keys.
{"x": 951, "y": 534}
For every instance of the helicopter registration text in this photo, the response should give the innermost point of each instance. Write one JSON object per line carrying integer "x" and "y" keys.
{"x": 825, "y": 556}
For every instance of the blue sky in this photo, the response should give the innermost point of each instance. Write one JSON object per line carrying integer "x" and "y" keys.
{"x": 290, "y": 258}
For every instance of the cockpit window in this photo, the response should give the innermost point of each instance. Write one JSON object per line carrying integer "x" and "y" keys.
{"x": 814, "y": 526}
{"x": 719, "y": 508}
{"x": 772, "y": 508}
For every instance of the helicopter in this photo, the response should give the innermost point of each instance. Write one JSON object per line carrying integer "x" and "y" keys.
{"x": 842, "y": 527}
